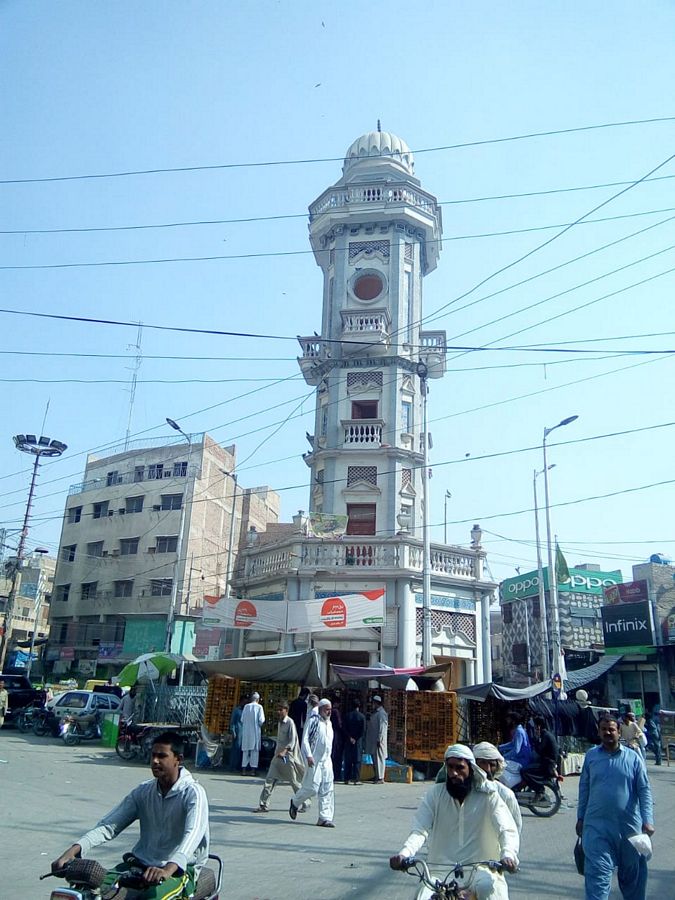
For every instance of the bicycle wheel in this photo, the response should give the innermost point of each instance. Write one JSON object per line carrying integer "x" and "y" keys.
{"x": 23, "y": 722}
{"x": 40, "y": 727}
{"x": 125, "y": 748}
{"x": 549, "y": 805}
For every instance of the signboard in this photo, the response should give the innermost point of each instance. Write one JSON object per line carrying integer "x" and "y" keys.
{"x": 362, "y": 610}
{"x": 627, "y": 627}
{"x": 631, "y": 592}
{"x": 323, "y": 525}
{"x": 144, "y": 636}
{"x": 581, "y": 581}
{"x": 109, "y": 650}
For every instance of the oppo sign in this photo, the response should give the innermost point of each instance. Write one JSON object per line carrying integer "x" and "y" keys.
{"x": 581, "y": 581}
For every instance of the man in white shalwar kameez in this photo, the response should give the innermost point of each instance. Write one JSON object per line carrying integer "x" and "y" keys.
{"x": 252, "y": 721}
{"x": 465, "y": 821}
{"x": 317, "y": 744}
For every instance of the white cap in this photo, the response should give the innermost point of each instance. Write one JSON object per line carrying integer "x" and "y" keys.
{"x": 255, "y": 696}
{"x": 485, "y": 750}
{"x": 377, "y": 699}
{"x": 324, "y": 702}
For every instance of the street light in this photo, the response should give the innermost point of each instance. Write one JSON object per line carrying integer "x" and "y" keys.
{"x": 37, "y": 447}
{"x": 427, "y": 657}
{"x": 171, "y": 614}
{"x": 545, "y": 662}
{"x": 230, "y": 558}
{"x": 552, "y": 577}
{"x": 447, "y": 497}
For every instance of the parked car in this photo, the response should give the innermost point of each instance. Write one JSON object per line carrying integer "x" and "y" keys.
{"x": 83, "y": 703}
{"x": 21, "y": 693}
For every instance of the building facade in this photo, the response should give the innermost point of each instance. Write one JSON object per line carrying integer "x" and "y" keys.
{"x": 145, "y": 537}
{"x": 375, "y": 235}
{"x": 31, "y": 607}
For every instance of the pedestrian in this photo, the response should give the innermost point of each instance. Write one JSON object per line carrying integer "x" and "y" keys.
{"x": 463, "y": 820}
{"x": 312, "y": 710}
{"x": 615, "y": 803}
{"x": 355, "y": 728}
{"x": 235, "y": 731}
{"x": 544, "y": 764}
{"x": 286, "y": 763}
{"x": 337, "y": 753}
{"x": 653, "y": 726}
{"x": 298, "y": 709}
{"x": 517, "y": 752}
{"x": 4, "y": 703}
{"x": 489, "y": 759}
{"x": 252, "y": 721}
{"x": 317, "y": 743}
{"x": 128, "y": 705}
{"x": 376, "y": 739}
{"x": 630, "y": 731}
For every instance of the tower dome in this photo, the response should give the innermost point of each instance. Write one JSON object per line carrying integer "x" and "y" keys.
{"x": 379, "y": 145}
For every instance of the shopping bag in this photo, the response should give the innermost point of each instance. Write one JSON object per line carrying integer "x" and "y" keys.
{"x": 579, "y": 857}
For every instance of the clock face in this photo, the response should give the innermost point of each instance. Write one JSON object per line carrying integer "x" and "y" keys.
{"x": 368, "y": 286}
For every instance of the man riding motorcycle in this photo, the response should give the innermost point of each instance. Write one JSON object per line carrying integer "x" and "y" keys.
{"x": 173, "y": 814}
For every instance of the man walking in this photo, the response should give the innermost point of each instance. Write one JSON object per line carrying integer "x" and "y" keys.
{"x": 4, "y": 702}
{"x": 298, "y": 709}
{"x": 286, "y": 764}
{"x": 317, "y": 743}
{"x": 376, "y": 739}
{"x": 355, "y": 727}
{"x": 252, "y": 721}
{"x": 615, "y": 803}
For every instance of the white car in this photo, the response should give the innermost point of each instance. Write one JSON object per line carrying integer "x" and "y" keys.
{"x": 83, "y": 703}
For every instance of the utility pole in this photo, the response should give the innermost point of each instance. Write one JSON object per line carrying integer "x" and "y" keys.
{"x": 427, "y": 655}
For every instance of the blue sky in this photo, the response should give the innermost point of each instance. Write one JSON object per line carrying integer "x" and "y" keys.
{"x": 95, "y": 88}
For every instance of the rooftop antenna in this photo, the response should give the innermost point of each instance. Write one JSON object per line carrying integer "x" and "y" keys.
{"x": 379, "y": 127}
{"x": 134, "y": 378}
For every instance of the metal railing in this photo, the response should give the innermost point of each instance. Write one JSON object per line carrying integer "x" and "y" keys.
{"x": 97, "y": 484}
{"x": 339, "y": 197}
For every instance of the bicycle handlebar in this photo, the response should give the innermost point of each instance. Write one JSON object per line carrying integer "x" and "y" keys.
{"x": 421, "y": 869}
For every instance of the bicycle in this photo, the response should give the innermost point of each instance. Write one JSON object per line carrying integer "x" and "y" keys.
{"x": 450, "y": 887}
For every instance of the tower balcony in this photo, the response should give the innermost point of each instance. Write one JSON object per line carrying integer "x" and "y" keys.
{"x": 362, "y": 433}
{"x": 369, "y": 328}
{"x": 433, "y": 348}
{"x": 314, "y": 352}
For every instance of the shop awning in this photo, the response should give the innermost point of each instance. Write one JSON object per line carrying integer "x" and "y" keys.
{"x": 580, "y": 677}
{"x": 392, "y": 677}
{"x": 296, "y": 668}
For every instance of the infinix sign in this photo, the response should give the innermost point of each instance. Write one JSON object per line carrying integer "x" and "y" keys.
{"x": 627, "y": 625}
{"x": 581, "y": 581}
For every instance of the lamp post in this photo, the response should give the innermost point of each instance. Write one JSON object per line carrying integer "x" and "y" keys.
{"x": 37, "y": 447}
{"x": 552, "y": 577}
{"x": 447, "y": 497}
{"x": 171, "y": 614}
{"x": 545, "y": 650}
{"x": 427, "y": 656}
{"x": 230, "y": 556}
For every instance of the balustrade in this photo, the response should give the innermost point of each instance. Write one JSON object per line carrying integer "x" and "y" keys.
{"x": 363, "y": 433}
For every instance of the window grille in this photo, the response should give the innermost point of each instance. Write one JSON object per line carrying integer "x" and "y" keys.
{"x": 368, "y": 247}
{"x": 364, "y": 380}
{"x": 406, "y": 478}
{"x": 408, "y": 253}
{"x": 361, "y": 473}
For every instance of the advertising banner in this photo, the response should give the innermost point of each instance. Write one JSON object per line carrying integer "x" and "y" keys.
{"x": 323, "y": 525}
{"x": 627, "y": 627}
{"x": 360, "y": 610}
{"x": 580, "y": 581}
{"x": 631, "y": 592}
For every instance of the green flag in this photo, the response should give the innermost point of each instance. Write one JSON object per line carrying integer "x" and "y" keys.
{"x": 562, "y": 572}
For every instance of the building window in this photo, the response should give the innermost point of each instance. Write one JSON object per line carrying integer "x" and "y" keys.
{"x": 74, "y": 515}
{"x": 101, "y": 509}
{"x": 113, "y": 478}
{"x": 361, "y": 473}
{"x": 123, "y": 588}
{"x": 179, "y": 470}
{"x": 88, "y": 590}
{"x": 68, "y": 553}
{"x": 364, "y": 409}
{"x": 62, "y": 592}
{"x": 139, "y": 472}
{"x": 519, "y": 654}
{"x": 361, "y": 518}
{"x": 407, "y": 416}
{"x": 507, "y": 614}
{"x": 363, "y": 380}
{"x": 172, "y": 501}
{"x": 128, "y": 546}
{"x": 134, "y": 504}
{"x": 156, "y": 471}
{"x": 324, "y": 420}
{"x": 161, "y": 587}
{"x": 536, "y": 613}
{"x": 167, "y": 544}
{"x": 95, "y": 548}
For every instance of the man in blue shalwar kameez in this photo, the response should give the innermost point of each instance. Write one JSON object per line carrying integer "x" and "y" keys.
{"x": 615, "y": 802}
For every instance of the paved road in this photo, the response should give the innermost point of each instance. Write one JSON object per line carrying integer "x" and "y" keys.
{"x": 50, "y": 794}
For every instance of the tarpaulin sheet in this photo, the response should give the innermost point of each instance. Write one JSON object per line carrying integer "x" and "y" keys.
{"x": 297, "y": 668}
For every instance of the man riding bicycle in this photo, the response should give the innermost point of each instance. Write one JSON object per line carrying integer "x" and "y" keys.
{"x": 173, "y": 814}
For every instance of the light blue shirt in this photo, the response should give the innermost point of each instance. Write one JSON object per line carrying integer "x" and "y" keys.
{"x": 614, "y": 793}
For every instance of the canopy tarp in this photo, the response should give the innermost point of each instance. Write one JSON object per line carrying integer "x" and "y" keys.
{"x": 392, "y": 677}
{"x": 572, "y": 681}
{"x": 297, "y": 668}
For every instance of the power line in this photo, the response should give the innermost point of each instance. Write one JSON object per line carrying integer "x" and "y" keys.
{"x": 310, "y": 160}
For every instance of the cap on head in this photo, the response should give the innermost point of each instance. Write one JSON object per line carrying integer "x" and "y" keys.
{"x": 460, "y": 751}
{"x": 324, "y": 702}
{"x": 255, "y": 696}
{"x": 377, "y": 699}
{"x": 485, "y": 750}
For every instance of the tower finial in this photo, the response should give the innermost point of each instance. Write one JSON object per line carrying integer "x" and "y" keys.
{"x": 379, "y": 127}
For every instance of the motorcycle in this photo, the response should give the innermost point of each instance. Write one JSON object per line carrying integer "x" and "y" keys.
{"x": 135, "y": 741}
{"x": 85, "y": 877}
{"x": 45, "y": 722}
{"x": 544, "y": 802}
{"x": 449, "y": 888}
{"x": 73, "y": 729}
